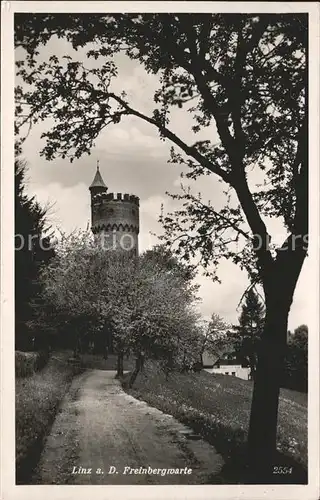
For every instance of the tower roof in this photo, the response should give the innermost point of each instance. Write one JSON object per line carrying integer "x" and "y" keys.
{"x": 98, "y": 181}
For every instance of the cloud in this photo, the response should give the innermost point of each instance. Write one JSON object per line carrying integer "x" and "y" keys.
{"x": 69, "y": 207}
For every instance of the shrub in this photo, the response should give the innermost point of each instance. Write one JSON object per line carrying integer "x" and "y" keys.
{"x": 25, "y": 363}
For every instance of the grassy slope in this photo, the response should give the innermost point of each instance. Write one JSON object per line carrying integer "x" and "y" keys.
{"x": 37, "y": 402}
{"x": 218, "y": 408}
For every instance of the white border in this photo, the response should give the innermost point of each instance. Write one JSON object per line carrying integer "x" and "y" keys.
{"x": 8, "y": 489}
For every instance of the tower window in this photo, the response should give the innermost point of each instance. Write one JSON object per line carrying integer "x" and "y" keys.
{"x": 133, "y": 212}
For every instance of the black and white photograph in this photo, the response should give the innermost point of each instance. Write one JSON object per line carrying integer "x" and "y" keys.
{"x": 160, "y": 249}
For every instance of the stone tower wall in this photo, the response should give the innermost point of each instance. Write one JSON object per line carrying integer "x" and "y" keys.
{"x": 115, "y": 219}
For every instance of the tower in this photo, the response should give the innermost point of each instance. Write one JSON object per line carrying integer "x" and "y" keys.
{"x": 114, "y": 217}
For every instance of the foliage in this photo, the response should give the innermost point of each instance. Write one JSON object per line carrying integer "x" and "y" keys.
{"x": 216, "y": 336}
{"x": 164, "y": 257}
{"x": 148, "y": 302}
{"x": 296, "y": 361}
{"x": 70, "y": 282}
{"x": 246, "y": 336}
{"x": 32, "y": 250}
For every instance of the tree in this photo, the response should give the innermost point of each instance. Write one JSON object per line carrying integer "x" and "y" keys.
{"x": 185, "y": 352}
{"x": 244, "y": 76}
{"x": 296, "y": 360}
{"x": 32, "y": 250}
{"x": 216, "y": 336}
{"x": 164, "y": 257}
{"x": 147, "y": 303}
{"x": 176, "y": 297}
{"x": 71, "y": 285}
{"x": 246, "y": 336}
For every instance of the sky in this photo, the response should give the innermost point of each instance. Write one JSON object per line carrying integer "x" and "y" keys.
{"x": 134, "y": 160}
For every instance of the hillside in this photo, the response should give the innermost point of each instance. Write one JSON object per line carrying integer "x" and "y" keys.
{"x": 217, "y": 407}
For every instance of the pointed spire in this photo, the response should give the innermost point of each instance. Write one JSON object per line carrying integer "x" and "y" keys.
{"x": 98, "y": 181}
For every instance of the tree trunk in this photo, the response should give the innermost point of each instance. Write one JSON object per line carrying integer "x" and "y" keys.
{"x": 142, "y": 362}
{"x": 279, "y": 285}
{"x": 105, "y": 351}
{"x": 76, "y": 350}
{"x": 264, "y": 408}
{"x": 134, "y": 374}
{"x": 252, "y": 364}
{"x": 184, "y": 360}
{"x": 120, "y": 365}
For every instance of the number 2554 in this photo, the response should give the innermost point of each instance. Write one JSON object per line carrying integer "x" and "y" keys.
{"x": 279, "y": 469}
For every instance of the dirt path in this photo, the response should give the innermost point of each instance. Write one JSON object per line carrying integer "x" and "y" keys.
{"x": 100, "y": 429}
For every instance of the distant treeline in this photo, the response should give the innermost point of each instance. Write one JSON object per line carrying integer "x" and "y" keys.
{"x": 296, "y": 362}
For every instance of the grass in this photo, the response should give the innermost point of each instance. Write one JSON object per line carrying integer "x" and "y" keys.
{"x": 37, "y": 401}
{"x": 218, "y": 408}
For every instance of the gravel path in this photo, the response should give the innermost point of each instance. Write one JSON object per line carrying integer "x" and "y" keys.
{"x": 104, "y": 436}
